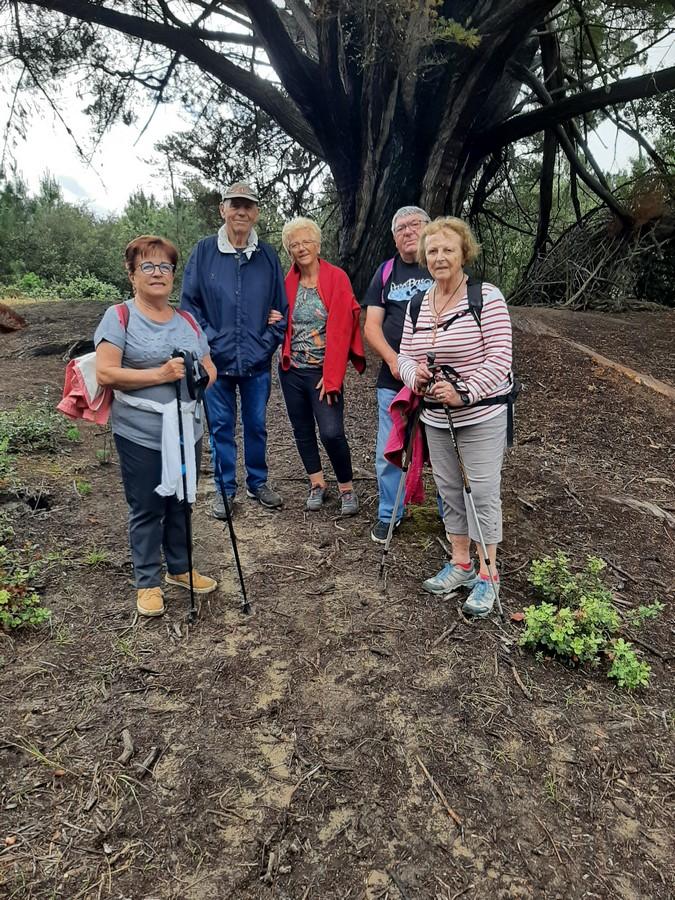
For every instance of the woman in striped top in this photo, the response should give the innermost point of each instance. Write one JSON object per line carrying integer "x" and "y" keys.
{"x": 478, "y": 348}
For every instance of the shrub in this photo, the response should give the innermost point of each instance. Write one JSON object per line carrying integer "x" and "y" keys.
{"x": 20, "y": 604}
{"x": 31, "y": 426}
{"x": 87, "y": 287}
{"x": 578, "y": 620}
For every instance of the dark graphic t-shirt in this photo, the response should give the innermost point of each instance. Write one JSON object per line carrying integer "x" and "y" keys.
{"x": 405, "y": 281}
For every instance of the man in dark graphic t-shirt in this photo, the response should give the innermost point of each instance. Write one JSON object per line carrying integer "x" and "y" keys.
{"x": 392, "y": 287}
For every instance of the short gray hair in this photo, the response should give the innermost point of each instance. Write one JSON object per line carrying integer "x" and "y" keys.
{"x": 409, "y": 211}
{"x": 295, "y": 225}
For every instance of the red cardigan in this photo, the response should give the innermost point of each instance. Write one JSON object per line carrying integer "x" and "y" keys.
{"x": 343, "y": 336}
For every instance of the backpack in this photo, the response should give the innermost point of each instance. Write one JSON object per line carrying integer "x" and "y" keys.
{"x": 82, "y": 397}
{"x": 474, "y": 291}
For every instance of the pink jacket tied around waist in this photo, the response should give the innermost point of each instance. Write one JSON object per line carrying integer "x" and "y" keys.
{"x": 402, "y": 407}
{"x": 83, "y": 397}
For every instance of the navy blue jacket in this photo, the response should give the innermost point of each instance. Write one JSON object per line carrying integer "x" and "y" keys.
{"x": 231, "y": 297}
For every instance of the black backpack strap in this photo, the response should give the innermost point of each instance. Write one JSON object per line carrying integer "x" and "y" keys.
{"x": 474, "y": 291}
{"x": 414, "y": 308}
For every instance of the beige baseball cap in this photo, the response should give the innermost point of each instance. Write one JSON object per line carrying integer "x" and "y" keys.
{"x": 241, "y": 190}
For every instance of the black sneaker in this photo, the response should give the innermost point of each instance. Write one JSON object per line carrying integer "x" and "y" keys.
{"x": 380, "y": 530}
{"x": 218, "y": 506}
{"x": 266, "y": 497}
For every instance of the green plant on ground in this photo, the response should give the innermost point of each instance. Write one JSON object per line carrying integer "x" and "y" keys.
{"x": 31, "y": 426}
{"x": 97, "y": 557}
{"x": 638, "y": 617}
{"x": 20, "y": 604}
{"x": 72, "y": 433}
{"x": 83, "y": 488}
{"x": 103, "y": 456}
{"x": 6, "y": 527}
{"x": 6, "y": 463}
{"x": 578, "y": 620}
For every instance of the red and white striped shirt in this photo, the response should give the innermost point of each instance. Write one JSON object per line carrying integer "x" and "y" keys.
{"x": 481, "y": 354}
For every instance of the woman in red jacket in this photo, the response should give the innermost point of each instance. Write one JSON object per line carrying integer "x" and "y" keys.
{"x": 323, "y": 334}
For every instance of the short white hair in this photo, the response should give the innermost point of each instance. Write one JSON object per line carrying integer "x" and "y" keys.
{"x": 409, "y": 211}
{"x": 295, "y": 225}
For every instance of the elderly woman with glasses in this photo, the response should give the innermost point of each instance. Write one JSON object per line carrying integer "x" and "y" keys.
{"x": 474, "y": 349}
{"x": 322, "y": 336}
{"x": 134, "y": 345}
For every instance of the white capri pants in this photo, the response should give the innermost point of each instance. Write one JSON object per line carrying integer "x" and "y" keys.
{"x": 482, "y": 447}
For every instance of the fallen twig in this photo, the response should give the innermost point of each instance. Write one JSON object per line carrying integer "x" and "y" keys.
{"x": 145, "y": 767}
{"x": 548, "y": 835}
{"x": 128, "y": 751}
{"x": 441, "y": 796}
{"x": 448, "y": 631}
{"x": 519, "y": 682}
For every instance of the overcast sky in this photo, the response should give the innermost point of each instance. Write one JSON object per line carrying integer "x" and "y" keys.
{"x": 123, "y": 162}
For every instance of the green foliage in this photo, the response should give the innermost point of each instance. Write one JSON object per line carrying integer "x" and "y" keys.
{"x": 629, "y": 671}
{"x": 20, "y": 604}
{"x": 638, "y": 617}
{"x": 31, "y": 426}
{"x": 72, "y": 433}
{"x": 97, "y": 557}
{"x": 6, "y": 463}
{"x": 83, "y": 488}
{"x": 578, "y": 620}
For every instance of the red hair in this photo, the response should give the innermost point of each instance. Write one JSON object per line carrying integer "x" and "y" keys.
{"x": 144, "y": 245}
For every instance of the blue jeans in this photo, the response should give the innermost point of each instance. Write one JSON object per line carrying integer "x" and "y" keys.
{"x": 221, "y": 400}
{"x": 388, "y": 475}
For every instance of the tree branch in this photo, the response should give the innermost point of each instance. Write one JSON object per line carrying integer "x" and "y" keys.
{"x": 612, "y": 94}
{"x": 181, "y": 40}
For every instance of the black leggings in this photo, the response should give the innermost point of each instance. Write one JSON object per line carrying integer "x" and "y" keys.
{"x": 304, "y": 410}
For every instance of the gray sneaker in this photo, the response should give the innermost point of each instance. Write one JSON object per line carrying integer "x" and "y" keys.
{"x": 316, "y": 498}
{"x": 266, "y": 497}
{"x": 350, "y": 503}
{"x": 218, "y": 506}
{"x": 449, "y": 579}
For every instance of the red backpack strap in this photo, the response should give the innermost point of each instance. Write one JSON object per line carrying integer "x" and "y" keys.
{"x": 123, "y": 315}
{"x": 189, "y": 318}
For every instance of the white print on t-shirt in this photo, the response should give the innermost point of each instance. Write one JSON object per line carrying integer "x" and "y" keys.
{"x": 404, "y": 292}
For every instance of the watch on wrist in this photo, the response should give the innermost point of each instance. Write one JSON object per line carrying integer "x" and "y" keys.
{"x": 464, "y": 397}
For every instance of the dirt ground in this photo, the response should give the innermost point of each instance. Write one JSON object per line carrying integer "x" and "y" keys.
{"x": 290, "y": 753}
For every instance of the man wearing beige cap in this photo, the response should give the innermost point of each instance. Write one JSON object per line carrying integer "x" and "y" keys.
{"x": 231, "y": 283}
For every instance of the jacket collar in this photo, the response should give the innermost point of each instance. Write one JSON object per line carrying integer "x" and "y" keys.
{"x": 225, "y": 246}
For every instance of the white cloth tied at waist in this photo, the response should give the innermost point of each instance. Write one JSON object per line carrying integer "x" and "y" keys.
{"x": 172, "y": 478}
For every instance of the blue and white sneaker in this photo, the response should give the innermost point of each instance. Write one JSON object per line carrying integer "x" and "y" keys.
{"x": 481, "y": 599}
{"x": 449, "y": 579}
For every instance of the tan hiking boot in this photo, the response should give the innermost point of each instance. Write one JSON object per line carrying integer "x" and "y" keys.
{"x": 202, "y": 583}
{"x": 150, "y": 602}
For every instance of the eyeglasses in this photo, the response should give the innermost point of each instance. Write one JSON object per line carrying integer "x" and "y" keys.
{"x": 148, "y": 268}
{"x": 298, "y": 245}
{"x": 408, "y": 226}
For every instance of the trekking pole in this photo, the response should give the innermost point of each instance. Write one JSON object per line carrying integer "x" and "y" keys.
{"x": 245, "y": 605}
{"x": 407, "y": 456}
{"x": 197, "y": 379}
{"x": 192, "y": 615}
{"x": 431, "y": 359}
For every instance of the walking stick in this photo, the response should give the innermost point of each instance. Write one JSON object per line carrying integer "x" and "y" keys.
{"x": 245, "y": 605}
{"x": 197, "y": 379}
{"x": 413, "y": 422}
{"x": 431, "y": 359}
{"x": 192, "y": 615}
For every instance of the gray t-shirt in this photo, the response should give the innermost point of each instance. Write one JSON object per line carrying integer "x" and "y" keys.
{"x": 146, "y": 345}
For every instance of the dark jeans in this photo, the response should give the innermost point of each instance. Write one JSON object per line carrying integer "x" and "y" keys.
{"x": 154, "y": 522}
{"x": 304, "y": 410}
{"x": 221, "y": 400}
